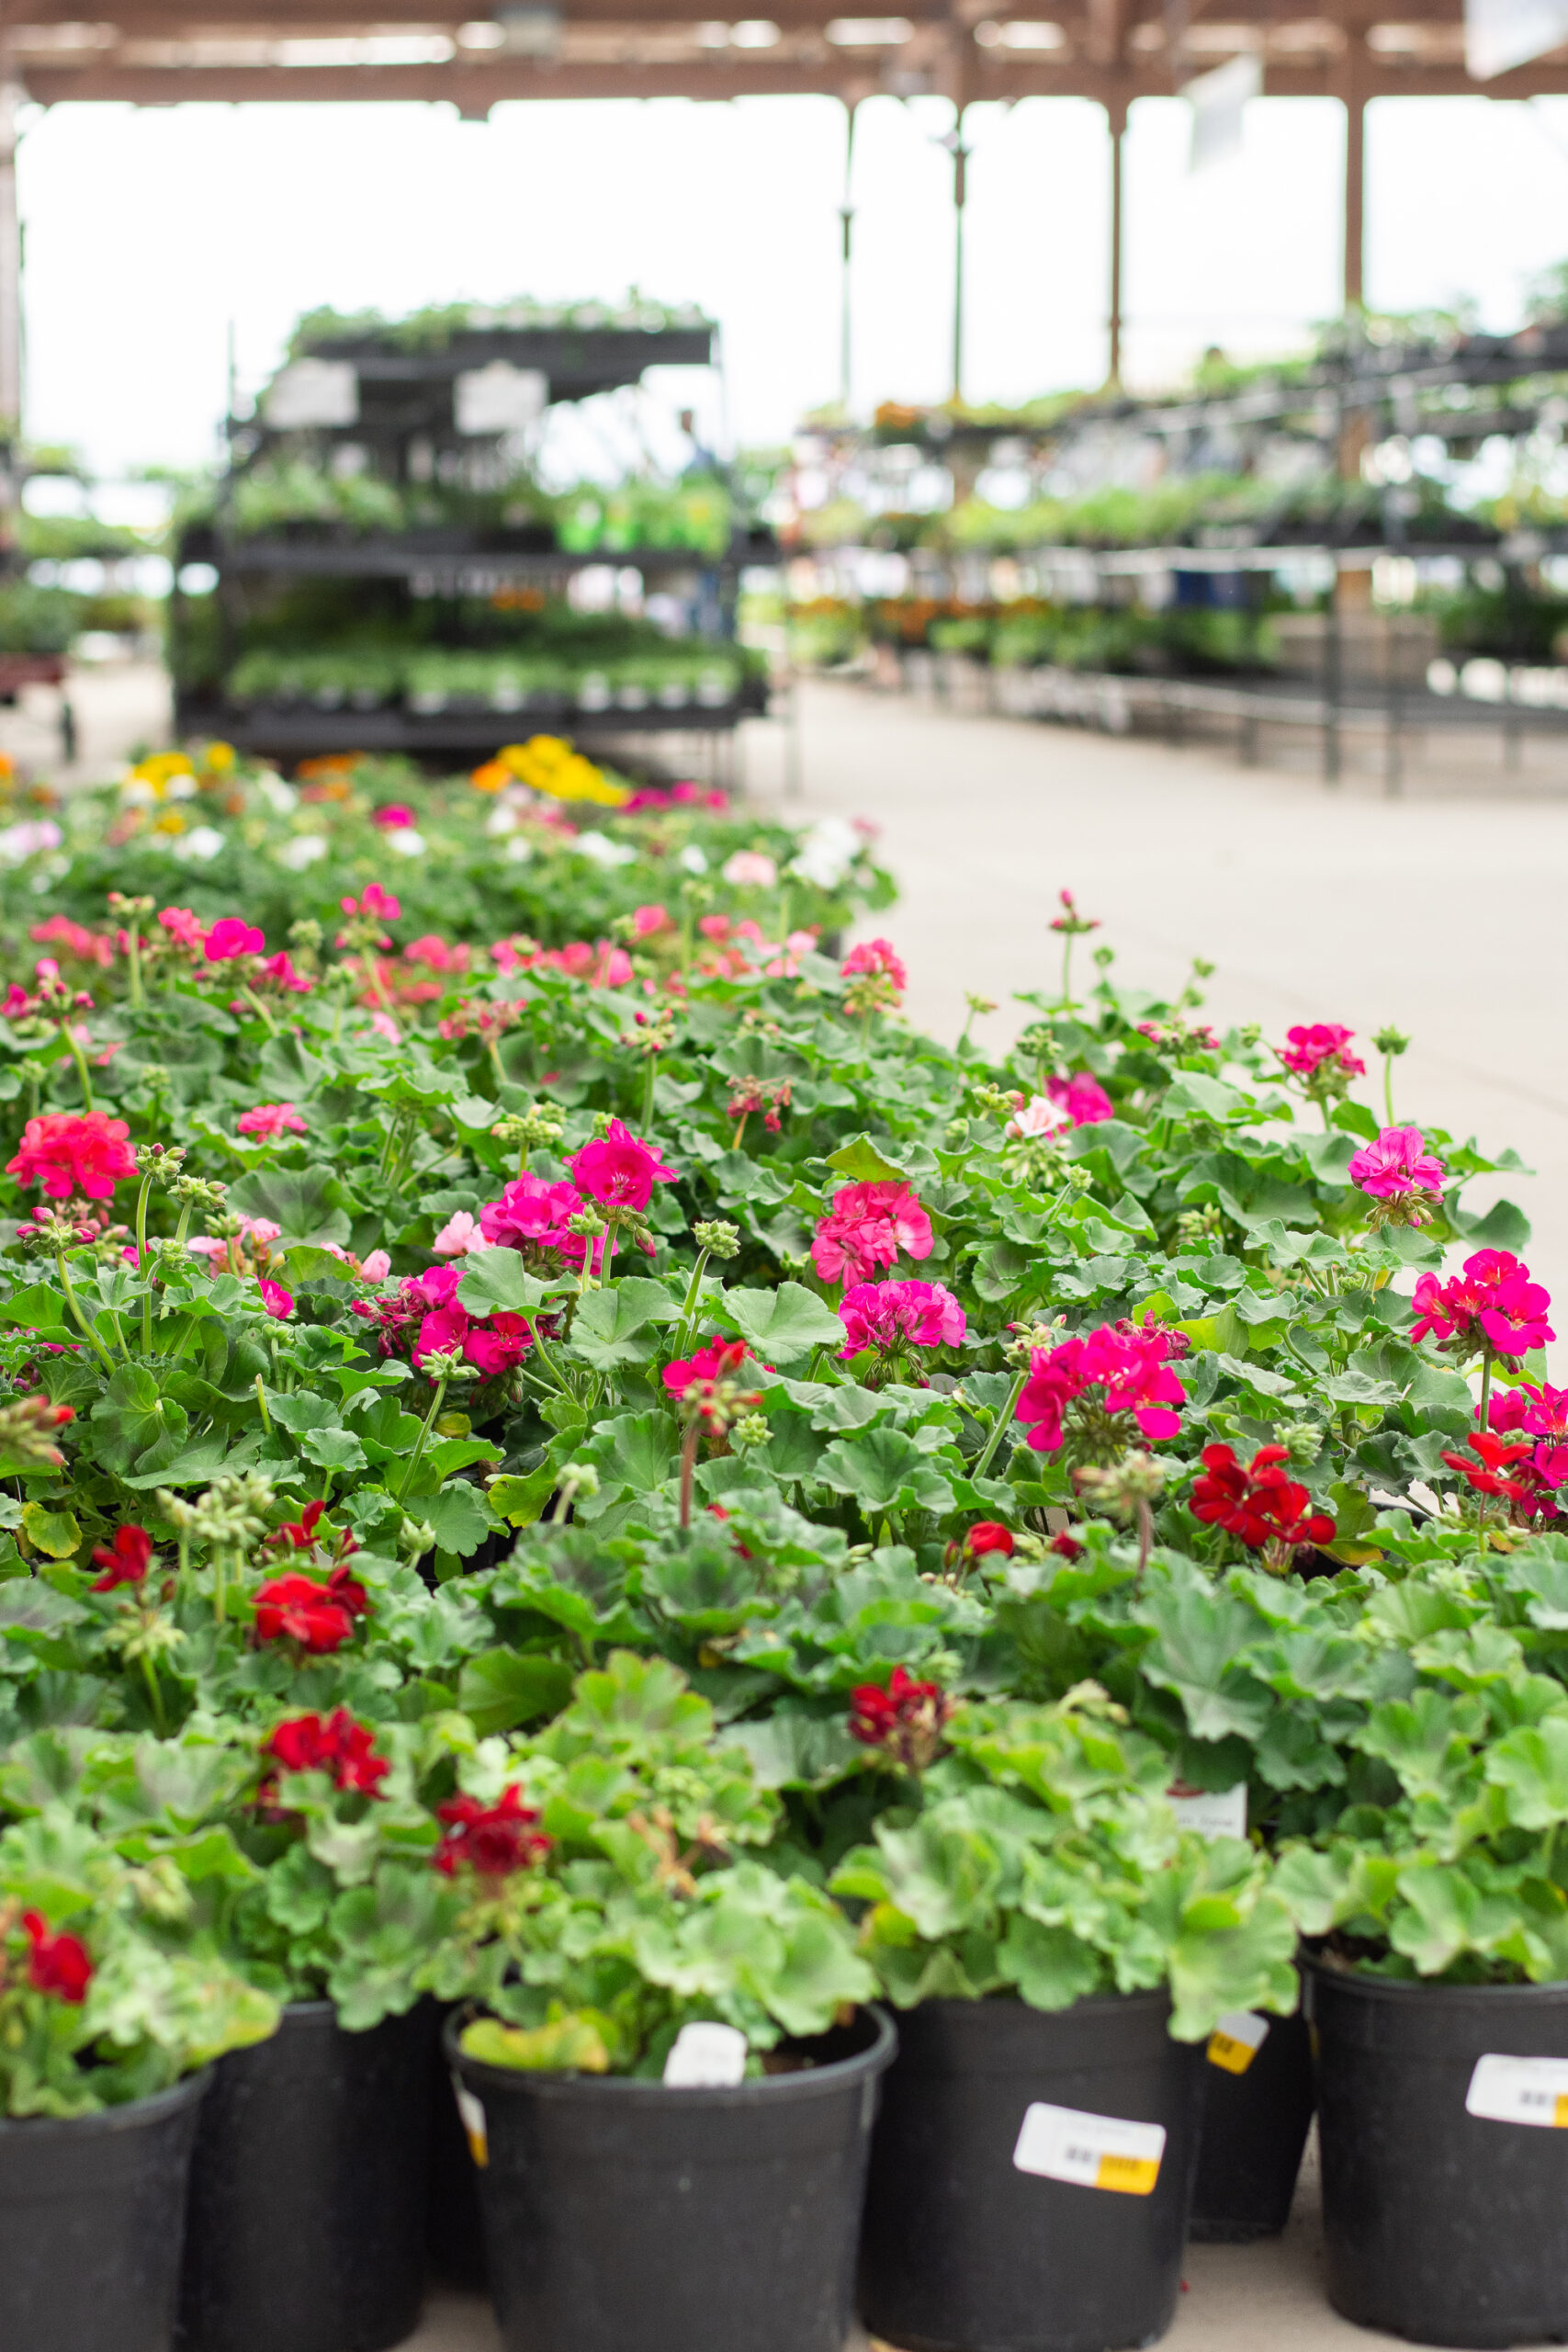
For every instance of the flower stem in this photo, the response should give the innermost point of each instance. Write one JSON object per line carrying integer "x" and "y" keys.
{"x": 77, "y": 1316}
{"x": 154, "y": 1694}
{"x": 261, "y": 1400}
{"x": 1485, "y": 1384}
{"x": 80, "y": 1059}
{"x": 423, "y": 1438}
{"x": 693, "y": 1292}
{"x": 133, "y": 956}
{"x": 688, "y": 1467}
{"x": 1388, "y": 1087}
{"x": 258, "y": 1007}
{"x": 1001, "y": 1423}
{"x": 141, "y": 1260}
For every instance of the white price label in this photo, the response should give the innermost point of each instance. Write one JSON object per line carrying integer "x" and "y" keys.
{"x": 706, "y": 2056}
{"x": 1520, "y": 2090}
{"x": 473, "y": 2115}
{"x": 1236, "y": 2040}
{"x": 1212, "y": 1813}
{"x": 1091, "y": 2151}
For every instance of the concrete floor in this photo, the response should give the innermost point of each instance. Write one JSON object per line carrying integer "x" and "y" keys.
{"x": 1441, "y": 912}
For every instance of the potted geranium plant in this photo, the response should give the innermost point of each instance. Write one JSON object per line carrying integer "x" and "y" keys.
{"x": 112, "y": 2011}
{"x": 1056, "y": 1946}
{"x": 667, "y": 2069}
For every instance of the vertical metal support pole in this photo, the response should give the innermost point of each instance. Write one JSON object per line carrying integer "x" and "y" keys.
{"x": 1333, "y": 669}
{"x": 1116, "y": 117}
{"x": 1355, "y": 196}
{"x": 960, "y": 198}
{"x": 795, "y": 778}
{"x": 1393, "y": 766}
{"x": 11, "y": 95}
{"x": 846, "y": 216}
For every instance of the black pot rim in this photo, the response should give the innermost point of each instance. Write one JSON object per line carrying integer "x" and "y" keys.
{"x": 1149, "y": 1997}
{"x": 815, "y": 2082}
{"x": 128, "y": 2116}
{"x": 1401, "y": 1989}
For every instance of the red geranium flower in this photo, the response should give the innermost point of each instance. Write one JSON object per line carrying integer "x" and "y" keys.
{"x": 905, "y": 1720}
{"x": 1506, "y": 1472}
{"x": 1262, "y": 1503}
{"x": 320, "y": 1617}
{"x": 492, "y": 1839}
{"x": 334, "y": 1744}
{"x": 63, "y": 1148}
{"x": 57, "y": 1964}
{"x": 123, "y": 1562}
{"x": 989, "y": 1536}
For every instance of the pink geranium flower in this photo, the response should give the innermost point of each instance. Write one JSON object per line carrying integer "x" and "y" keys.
{"x": 866, "y": 1227}
{"x": 276, "y": 1300}
{"x": 532, "y": 1214}
{"x": 182, "y": 928}
{"x": 1398, "y": 1163}
{"x": 385, "y": 1026}
{"x": 460, "y": 1236}
{"x": 1038, "y": 1120}
{"x": 278, "y": 972}
{"x": 63, "y": 1149}
{"x": 879, "y": 956}
{"x": 232, "y": 936}
{"x": 894, "y": 1317}
{"x": 395, "y": 818}
{"x": 1083, "y": 1098}
{"x": 1493, "y": 1303}
{"x": 270, "y": 1120}
{"x": 374, "y": 901}
{"x": 707, "y": 1364}
{"x": 649, "y": 921}
{"x": 619, "y": 1169}
{"x": 1306, "y": 1051}
{"x": 1128, "y": 1362}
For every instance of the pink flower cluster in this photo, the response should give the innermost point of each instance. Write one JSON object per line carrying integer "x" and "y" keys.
{"x": 893, "y": 1316}
{"x": 1397, "y": 1164}
{"x": 602, "y": 964}
{"x": 374, "y": 903}
{"x": 1493, "y": 1303}
{"x": 878, "y": 957}
{"x": 531, "y": 1214}
{"x": 267, "y": 1121}
{"x": 230, "y": 937}
{"x": 619, "y": 1169}
{"x": 1083, "y": 1098}
{"x": 63, "y": 1149}
{"x": 866, "y": 1227}
{"x": 492, "y": 1344}
{"x": 1321, "y": 1047}
{"x": 708, "y": 1364}
{"x": 1128, "y": 1362}
{"x": 741, "y": 950}
{"x": 1540, "y": 1413}
{"x": 73, "y": 939}
{"x": 678, "y": 796}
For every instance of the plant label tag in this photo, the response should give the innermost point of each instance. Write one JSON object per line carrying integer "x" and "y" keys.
{"x": 1091, "y": 2151}
{"x": 1236, "y": 2040}
{"x": 472, "y": 2113}
{"x": 1212, "y": 1813}
{"x": 706, "y": 2057}
{"x": 1520, "y": 2090}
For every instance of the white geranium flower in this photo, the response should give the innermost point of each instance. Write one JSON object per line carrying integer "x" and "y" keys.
{"x": 501, "y": 822}
{"x": 603, "y": 851}
{"x": 518, "y": 851}
{"x": 197, "y": 847}
{"x": 303, "y": 851}
{"x": 405, "y": 842}
{"x": 828, "y": 851}
{"x": 694, "y": 860}
{"x": 280, "y": 797}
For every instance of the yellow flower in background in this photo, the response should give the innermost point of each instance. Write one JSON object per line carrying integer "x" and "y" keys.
{"x": 153, "y": 776}
{"x": 547, "y": 763}
{"x": 218, "y": 758}
{"x": 171, "y": 821}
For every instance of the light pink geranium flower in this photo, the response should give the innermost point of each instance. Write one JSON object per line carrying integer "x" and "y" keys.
{"x": 750, "y": 869}
{"x": 894, "y": 1317}
{"x": 866, "y": 1227}
{"x": 270, "y": 1120}
{"x": 460, "y": 1236}
{"x": 1399, "y": 1162}
{"x": 1039, "y": 1118}
{"x": 876, "y": 955}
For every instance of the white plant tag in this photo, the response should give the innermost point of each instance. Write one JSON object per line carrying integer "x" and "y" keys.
{"x": 1091, "y": 2151}
{"x": 706, "y": 2057}
{"x": 1212, "y": 1813}
{"x": 473, "y": 2115}
{"x": 1520, "y": 2090}
{"x": 1236, "y": 2040}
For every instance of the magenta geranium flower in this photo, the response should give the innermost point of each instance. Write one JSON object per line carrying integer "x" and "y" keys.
{"x": 866, "y": 1227}
{"x": 1083, "y": 1097}
{"x": 396, "y": 817}
{"x": 619, "y": 1169}
{"x": 183, "y": 927}
{"x": 879, "y": 956}
{"x": 375, "y": 901}
{"x": 276, "y": 1300}
{"x": 270, "y": 1120}
{"x": 1321, "y": 1047}
{"x": 892, "y": 1316}
{"x": 1492, "y": 1303}
{"x": 532, "y": 1214}
{"x": 1398, "y": 1163}
{"x": 1128, "y": 1362}
{"x": 707, "y": 1364}
{"x": 232, "y": 936}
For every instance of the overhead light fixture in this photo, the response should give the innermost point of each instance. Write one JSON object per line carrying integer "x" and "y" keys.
{"x": 868, "y": 32}
{"x": 479, "y": 36}
{"x": 756, "y": 32}
{"x": 529, "y": 30}
{"x": 1020, "y": 33}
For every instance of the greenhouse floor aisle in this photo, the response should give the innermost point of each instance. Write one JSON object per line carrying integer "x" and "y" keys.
{"x": 1312, "y": 905}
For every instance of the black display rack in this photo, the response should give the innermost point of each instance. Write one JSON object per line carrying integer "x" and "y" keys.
{"x": 406, "y": 420}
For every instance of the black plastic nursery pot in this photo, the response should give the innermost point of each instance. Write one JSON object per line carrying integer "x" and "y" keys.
{"x": 1255, "y": 2127}
{"x": 1443, "y": 2221}
{"x": 627, "y": 2216}
{"x": 92, "y": 2212}
{"x": 307, "y": 2219}
{"x": 1030, "y": 2177}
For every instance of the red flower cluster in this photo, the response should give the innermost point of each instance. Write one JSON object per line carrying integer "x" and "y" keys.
{"x": 1321, "y": 1050}
{"x": 57, "y": 1964}
{"x": 1127, "y": 1361}
{"x": 123, "y": 1562}
{"x": 905, "y": 1720}
{"x": 334, "y": 1744}
{"x": 709, "y": 1363}
{"x": 491, "y": 1839}
{"x": 65, "y": 1148}
{"x": 1506, "y": 1471}
{"x": 1262, "y": 1503}
{"x": 1492, "y": 1303}
{"x": 709, "y": 1394}
{"x": 320, "y": 1617}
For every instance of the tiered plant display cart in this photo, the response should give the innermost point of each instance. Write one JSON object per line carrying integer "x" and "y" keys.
{"x": 390, "y": 579}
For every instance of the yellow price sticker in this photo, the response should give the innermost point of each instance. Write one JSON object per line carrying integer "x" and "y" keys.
{"x": 1132, "y": 2175}
{"x": 1236, "y": 2057}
